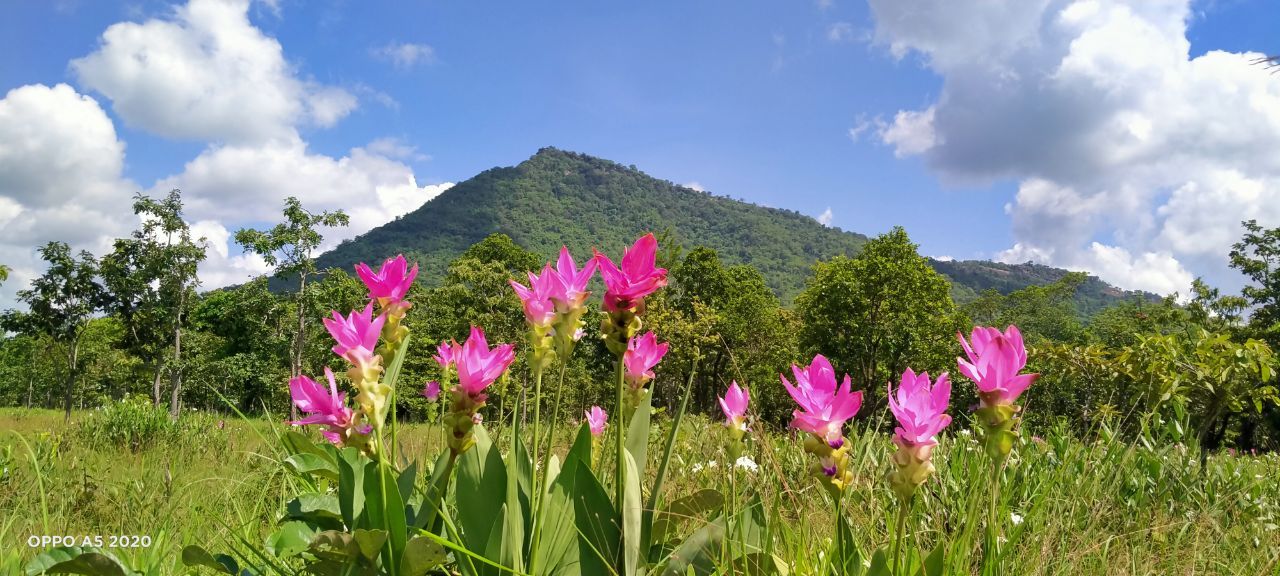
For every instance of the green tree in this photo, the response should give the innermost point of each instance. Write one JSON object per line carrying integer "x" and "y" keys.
{"x": 290, "y": 246}
{"x": 1040, "y": 312}
{"x": 151, "y": 278}
{"x": 4, "y": 273}
{"x": 61, "y": 302}
{"x": 1257, "y": 255}
{"x": 874, "y": 314}
{"x": 251, "y": 343}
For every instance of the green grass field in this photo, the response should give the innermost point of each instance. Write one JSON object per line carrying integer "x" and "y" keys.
{"x": 1098, "y": 507}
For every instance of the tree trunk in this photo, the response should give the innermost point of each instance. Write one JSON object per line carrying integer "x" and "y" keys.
{"x": 299, "y": 339}
{"x": 71, "y": 378}
{"x": 176, "y": 374}
{"x": 31, "y": 376}
{"x": 155, "y": 380}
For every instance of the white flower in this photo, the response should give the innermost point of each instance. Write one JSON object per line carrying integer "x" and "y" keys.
{"x": 696, "y": 468}
{"x": 965, "y": 432}
{"x": 747, "y": 462}
{"x": 711, "y": 464}
{"x": 1017, "y": 519}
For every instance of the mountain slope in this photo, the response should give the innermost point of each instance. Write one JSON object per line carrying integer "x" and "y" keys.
{"x": 558, "y": 197}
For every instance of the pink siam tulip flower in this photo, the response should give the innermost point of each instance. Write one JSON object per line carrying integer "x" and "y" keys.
{"x": 596, "y": 418}
{"x": 569, "y": 283}
{"x": 447, "y": 354}
{"x": 356, "y": 335}
{"x": 478, "y": 366}
{"x": 643, "y": 353}
{"x": 390, "y": 284}
{"x": 734, "y": 404}
{"x": 825, "y": 407}
{"x": 920, "y": 408}
{"x": 994, "y": 362}
{"x": 626, "y": 287}
{"x": 324, "y": 407}
{"x": 432, "y": 391}
{"x": 539, "y": 309}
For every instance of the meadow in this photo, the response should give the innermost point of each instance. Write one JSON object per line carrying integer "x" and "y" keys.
{"x": 1105, "y": 506}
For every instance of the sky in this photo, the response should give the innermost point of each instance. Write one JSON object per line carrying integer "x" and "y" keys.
{"x": 1125, "y": 138}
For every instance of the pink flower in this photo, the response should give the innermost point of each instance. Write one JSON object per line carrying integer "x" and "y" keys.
{"x": 643, "y": 353}
{"x": 638, "y": 277}
{"x": 539, "y": 310}
{"x": 596, "y": 418}
{"x": 478, "y": 366}
{"x": 825, "y": 407}
{"x": 324, "y": 407}
{"x": 447, "y": 354}
{"x": 920, "y": 407}
{"x": 432, "y": 391}
{"x": 356, "y": 334}
{"x": 569, "y": 285}
{"x": 994, "y": 362}
{"x": 390, "y": 285}
{"x": 734, "y": 404}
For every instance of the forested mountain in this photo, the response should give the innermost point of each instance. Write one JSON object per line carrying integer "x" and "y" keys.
{"x": 558, "y": 197}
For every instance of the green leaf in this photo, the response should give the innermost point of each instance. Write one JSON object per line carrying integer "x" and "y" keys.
{"x": 637, "y": 441}
{"x": 632, "y": 513}
{"x": 480, "y": 492}
{"x": 76, "y": 560}
{"x": 351, "y": 485}
{"x": 934, "y": 563}
{"x": 369, "y": 542}
{"x": 695, "y": 555}
{"x": 197, "y": 556}
{"x": 879, "y": 563}
{"x": 599, "y": 527}
{"x": 393, "y": 369}
{"x": 385, "y": 507}
{"x": 290, "y": 539}
{"x": 320, "y": 509}
{"x": 307, "y": 463}
{"x": 420, "y": 555}
{"x": 667, "y": 521}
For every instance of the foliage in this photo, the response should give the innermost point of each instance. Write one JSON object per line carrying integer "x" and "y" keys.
{"x": 877, "y": 313}
{"x": 1257, "y": 256}
{"x": 134, "y": 424}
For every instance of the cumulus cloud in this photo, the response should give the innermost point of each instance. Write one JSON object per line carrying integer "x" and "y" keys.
{"x": 61, "y": 178}
{"x": 405, "y": 55}
{"x": 826, "y": 217}
{"x": 247, "y": 185}
{"x": 206, "y": 73}
{"x": 840, "y": 32}
{"x": 1135, "y": 161}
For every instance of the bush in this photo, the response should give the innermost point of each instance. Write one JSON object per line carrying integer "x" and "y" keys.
{"x": 134, "y": 424}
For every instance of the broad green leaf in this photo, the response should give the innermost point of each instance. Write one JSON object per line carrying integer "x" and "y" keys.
{"x": 632, "y": 512}
{"x": 290, "y": 539}
{"x": 351, "y": 485}
{"x": 76, "y": 560}
{"x": 385, "y": 507}
{"x": 935, "y": 561}
{"x": 697, "y": 553}
{"x": 480, "y": 491}
{"x": 420, "y": 555}
{"x": 598, "y": 524}
{"x": 666, "y": 522}
{"x": 312, "y": 464}
{"x": 323, "y": 510}
{"x": 637, "y": 441}
{"x": 369, "y": 542}
{"x": 197, "y": 556}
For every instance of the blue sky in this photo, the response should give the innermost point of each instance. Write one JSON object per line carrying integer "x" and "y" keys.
{"x": 993, "y": 132}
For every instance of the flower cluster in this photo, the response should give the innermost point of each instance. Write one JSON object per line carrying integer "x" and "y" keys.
{"x": 477, "y": 367}
{"x": 824, "y": 408}
{"x": 554, "y": 302}
{"x": 642, "y": 354}
{"x": 327, "y": 407}
{"x": 920, "y": 407}
{"x": 994, "y": 361}
{"x": 389, "y": 288}
{"x": 626, "y": 287}
{"x": 734, "y": 405}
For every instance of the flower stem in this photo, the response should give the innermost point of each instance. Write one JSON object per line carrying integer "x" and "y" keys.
{"x": 537, "y": 427}
{"x": 904, "y": 509}
{"x": 619, "y": 477}
{"x": 539, "y": 508}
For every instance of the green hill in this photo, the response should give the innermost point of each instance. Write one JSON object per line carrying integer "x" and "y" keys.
{"x": 558, "y": 197}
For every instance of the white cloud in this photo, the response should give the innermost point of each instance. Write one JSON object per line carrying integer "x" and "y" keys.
{"x": 60, "y": 178}
{"x": 695, "y": 185}
{"x": 1135, "y": 160}
{"x": 405, "y": 55}
{"x": 840, "y": 32}
{"x": 826, "y": 217}
{"x": 206, "y": 73}
{"x": 233, "y": 186}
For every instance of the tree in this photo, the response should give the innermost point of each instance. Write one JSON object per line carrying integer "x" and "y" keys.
{"x": 61, "y": 302}
{"x": 1040, "y": 312}
{"x": 873, "y": 314}
{"x": 290, "y": 247}
{"x": 151, "y": 279}
{"x": 252, "y": 343}
{"x": 1257, "y": 255}
{"x": 4, "y": 273}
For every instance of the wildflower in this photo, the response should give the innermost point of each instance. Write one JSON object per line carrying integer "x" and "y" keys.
{"x": 356, "y": 335}
{"x": 643, "y": 353}
{"x": 389, "y": 287}
{"x": 627, "y": 286}
{"x": 625, "y": 290}
{"x": 596, "y": 418}
{"x": 447, "y": 354}
{"x": 390, "y": 284}
{"x": 1015, "y": 518}
{"x": 324, "y": 407}
{"x": 994, "y": 360}
{"x": 478, "y": 367}
{"x": 825, "y": 407}
{"x": 734, "y": 404}
{"x": 747, "y": 463}
{"x": 696, "y": 468}
{"x": 540, "y": 313}
{"x": 920, "y": 409}
{"x": 432, "y": 391}
{"x": 569, "y": 293}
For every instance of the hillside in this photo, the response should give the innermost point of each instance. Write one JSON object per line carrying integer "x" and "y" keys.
{"x": 558, "y": 197}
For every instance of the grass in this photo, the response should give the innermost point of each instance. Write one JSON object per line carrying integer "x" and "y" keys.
{"x": 1101, "y": 506}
